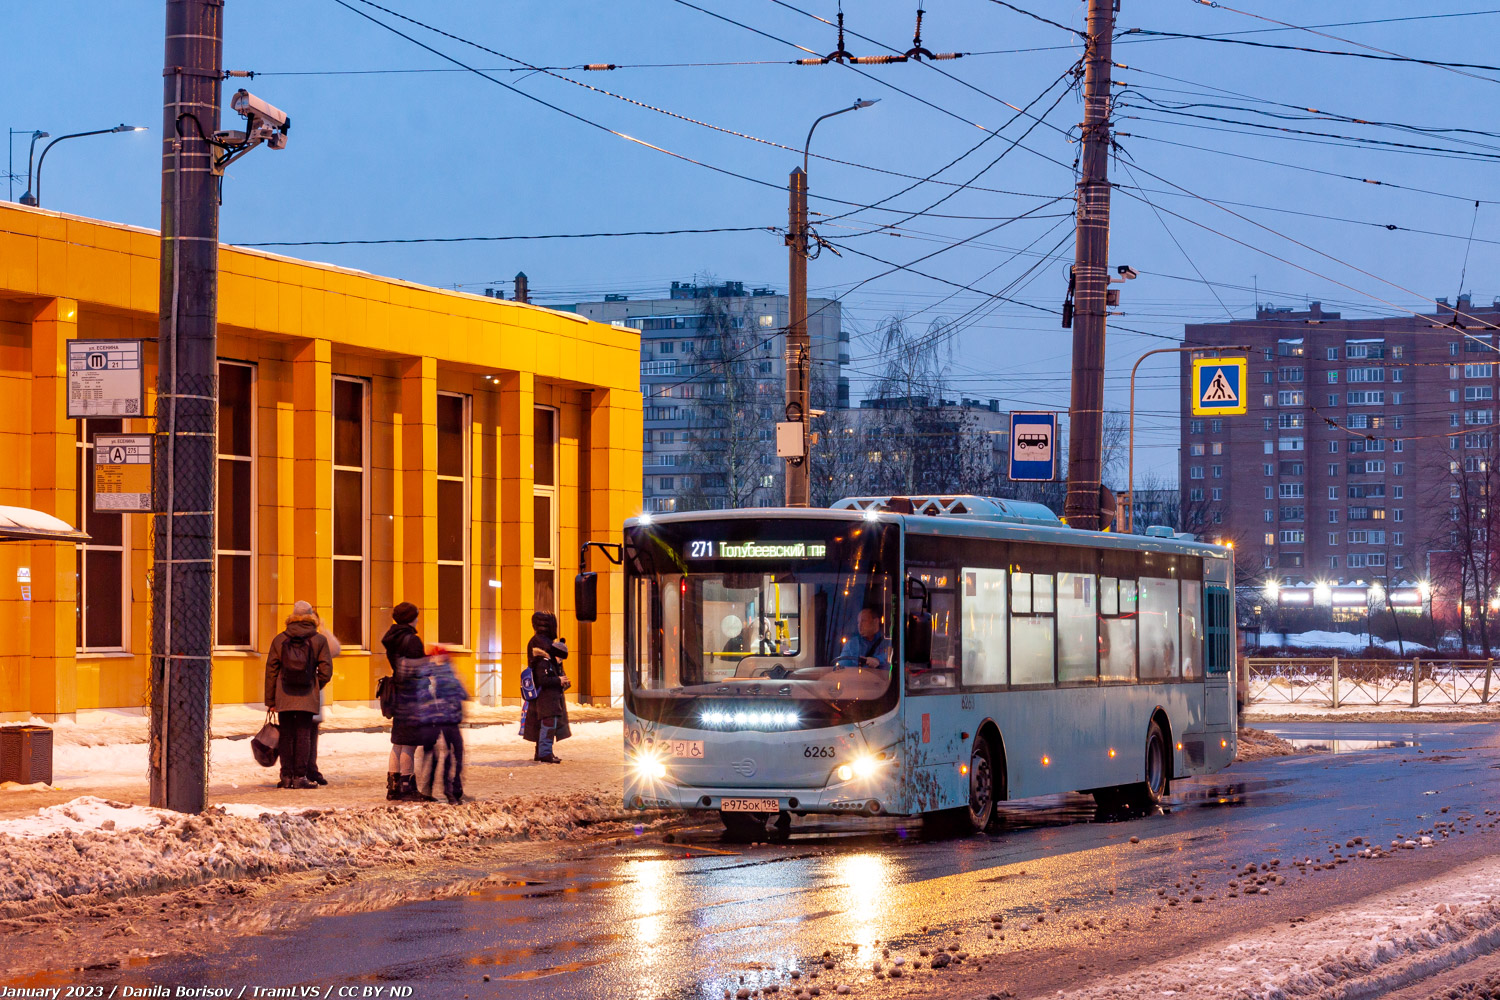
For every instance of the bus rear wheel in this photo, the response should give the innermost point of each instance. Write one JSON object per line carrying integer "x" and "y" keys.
{"x": 1150, "y": 794}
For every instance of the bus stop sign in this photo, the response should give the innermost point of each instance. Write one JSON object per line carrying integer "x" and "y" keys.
{"x": 1219, "y": 386}
{"x": 1033, "y": 447}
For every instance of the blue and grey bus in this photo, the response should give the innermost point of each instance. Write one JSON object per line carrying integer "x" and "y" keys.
{"x": 917, "y": 656}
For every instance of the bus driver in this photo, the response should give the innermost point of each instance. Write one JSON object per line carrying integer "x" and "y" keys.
{"x": 872, "y": 649}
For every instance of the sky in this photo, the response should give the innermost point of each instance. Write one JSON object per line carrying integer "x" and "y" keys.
{"x": 376, "y": 154}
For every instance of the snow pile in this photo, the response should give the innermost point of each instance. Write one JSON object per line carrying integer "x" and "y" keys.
{"x": 92, "y": 845}
{"x": 1367, "y": 949}
{"x": 1257, "y": 744}
{"x": 1354, "y": 642}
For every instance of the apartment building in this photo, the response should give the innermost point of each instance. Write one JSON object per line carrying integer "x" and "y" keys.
{"x": 713, "y": 378}
{"x": 1347, "y": 465}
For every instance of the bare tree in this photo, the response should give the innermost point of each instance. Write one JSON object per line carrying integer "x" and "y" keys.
{"x": 1467, "y": 488}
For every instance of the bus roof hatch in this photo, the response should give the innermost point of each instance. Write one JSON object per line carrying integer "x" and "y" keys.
{"x": 982, "y": 508}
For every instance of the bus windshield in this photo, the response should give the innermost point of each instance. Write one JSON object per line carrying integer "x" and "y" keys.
{"x": 761, "y": 622}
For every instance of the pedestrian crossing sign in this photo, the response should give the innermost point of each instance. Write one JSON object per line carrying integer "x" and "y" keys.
{"x": 1219, "y": 386}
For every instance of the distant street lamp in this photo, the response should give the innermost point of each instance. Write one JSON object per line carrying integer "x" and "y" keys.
{"x": 34, "y": 198}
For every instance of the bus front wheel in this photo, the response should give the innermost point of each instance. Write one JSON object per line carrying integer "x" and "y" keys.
{"x": 980, "y": 812}
{"x": 744, "y": 826}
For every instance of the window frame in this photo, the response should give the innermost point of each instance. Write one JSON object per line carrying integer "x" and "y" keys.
{"x": 83, "y": 442}
{"x": 466, "y": 481}
{"x": 552, "y": 563}
{"x": 253, "y": 594}
{"x": 366, "y": 391}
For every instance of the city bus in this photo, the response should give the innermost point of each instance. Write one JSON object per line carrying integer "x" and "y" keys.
{"x": 916, "y": 656}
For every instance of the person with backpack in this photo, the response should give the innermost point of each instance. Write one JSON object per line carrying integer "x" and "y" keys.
{"x": 410, "y": 716}
{"x": 544, "y": 716}
{"x": 334, "y": 648}
{"x": 298, "y": 665}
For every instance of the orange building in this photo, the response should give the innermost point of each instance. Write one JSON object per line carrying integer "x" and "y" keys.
{"x": 379, "y": 441}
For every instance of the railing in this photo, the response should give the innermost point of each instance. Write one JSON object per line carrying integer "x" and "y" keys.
{"x": 1338, "y": 682}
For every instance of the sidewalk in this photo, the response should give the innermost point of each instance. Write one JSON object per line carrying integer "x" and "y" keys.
{"x": 499, "y": 766}
{"x": 1260, "y": 713}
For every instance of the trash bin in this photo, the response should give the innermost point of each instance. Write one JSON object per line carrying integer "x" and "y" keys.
{"x": 26, "y": 754}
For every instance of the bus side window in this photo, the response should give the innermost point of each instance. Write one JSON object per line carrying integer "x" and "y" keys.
{"x": 1159, "y": 628}
{"x": 940, "y": 675}
{"x": 984, "y": 621}
{"x": 1117, "y": 616}
{"x": 1192, "y": 629}
{"x": 1032, "y": 628}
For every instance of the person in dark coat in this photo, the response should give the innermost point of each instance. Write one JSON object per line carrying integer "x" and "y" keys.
{"x": 546, "y": 716}
{"x": 298, "y": 665}
{"x": 410, "y": 727}
{"x": 334, "y": 648}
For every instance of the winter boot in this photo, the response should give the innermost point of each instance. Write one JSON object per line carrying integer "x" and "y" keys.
{"x": 393, "y": 787}
{"x": 409, "y": 791}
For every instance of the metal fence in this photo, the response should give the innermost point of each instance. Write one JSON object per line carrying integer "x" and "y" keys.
{"x": 1338, "y": 682}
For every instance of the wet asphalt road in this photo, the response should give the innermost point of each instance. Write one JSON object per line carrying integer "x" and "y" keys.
{"x": 646, "y": 918}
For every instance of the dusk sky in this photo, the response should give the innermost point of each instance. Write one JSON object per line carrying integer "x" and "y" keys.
{"x": 442, "y": 152}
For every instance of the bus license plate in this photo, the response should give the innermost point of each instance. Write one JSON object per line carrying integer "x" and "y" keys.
{"x": 749, "y": 805}
{"x": 685, "y": 748}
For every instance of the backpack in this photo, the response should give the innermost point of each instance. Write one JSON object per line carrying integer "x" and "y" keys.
{"x": 299, "y": 666}
{"x": 528, "y": 685}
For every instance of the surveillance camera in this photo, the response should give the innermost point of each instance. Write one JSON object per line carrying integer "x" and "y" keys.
{"x": 250, "y": 106}
{"x": 1127, "y": 272}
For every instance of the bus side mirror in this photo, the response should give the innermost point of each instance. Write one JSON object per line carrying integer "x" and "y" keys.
{"x": 586, "y": 596}
{"x": 918, "y": 638}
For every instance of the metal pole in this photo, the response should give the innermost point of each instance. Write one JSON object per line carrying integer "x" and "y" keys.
{"x": 182, "y": 604}
{"x": 1130, "y": 439}
{"x": 1091, "y": 278}
{"x": 798, "y": 344}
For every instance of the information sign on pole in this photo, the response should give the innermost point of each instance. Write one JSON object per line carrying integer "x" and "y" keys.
{"x": 1219, "y": 386}
{"x": 106, "y": 378}
{"x": 1033, "y": 447}
{"x": 122, "y": 473}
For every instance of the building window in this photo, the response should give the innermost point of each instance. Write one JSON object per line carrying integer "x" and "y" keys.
{"x": 1290, "y": 397}
{"x": 1268, "y": 492}
{"x": 1479, "y": 371}
{"x": 453, "y": 518}
{"x": 1218, "y": 472}
{"x": 665, "y": 483}
{"x": 1195, "y": 450}
{"x": 1333, "y": 517}
{"x": 1290, "y": 491}
{"x": 1333, "y": 562}
{"x": 1478, "y": 392}
{"x": 1293, "y": 535}
{"x": 1333, "y": 538}
{"x": 351, "y": 509}
{"x": 544, "y": 505}
{"x": 1195, "y": 472}
{"x": 1265, "y": 422}
{"x": 1333, "y": 354}
{"x": 235, "y": 549}
{"x": 1270, "y": 515}
{"x": 1270, "y": 538}
{"x": 1195, "y": 427}
{"x": 1267, "y": 469}
{"x": 1269, "y": 447}
{"x": 1289, "y": 444}
{"x": 1216, "y": 425}
{"x": 1195, "y": 495}
{"x": 1218, "y": 493}
{"x": 1333, "y": 492}
{"x": 101, "y": 565}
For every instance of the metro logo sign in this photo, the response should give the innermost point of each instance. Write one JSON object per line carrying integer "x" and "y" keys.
{"x": 1219, "y": 386}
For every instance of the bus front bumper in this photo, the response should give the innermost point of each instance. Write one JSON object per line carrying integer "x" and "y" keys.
{"x": 860, "y": 796}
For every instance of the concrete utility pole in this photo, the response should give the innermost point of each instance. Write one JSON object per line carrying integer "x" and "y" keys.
{"x": 182, "y": 584}
{"x": 798, "y": 345}
{"x": 1091, "y": 278}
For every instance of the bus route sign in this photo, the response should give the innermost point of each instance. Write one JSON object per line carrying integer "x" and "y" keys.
{"x": 106, "y": 378}
{"x": 122, "y": 473}
{"x": 1219, "y": 386}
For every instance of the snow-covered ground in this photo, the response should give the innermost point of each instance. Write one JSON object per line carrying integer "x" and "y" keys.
{"x": 1354, "y": 642}
{"x": 1363, "y": 950}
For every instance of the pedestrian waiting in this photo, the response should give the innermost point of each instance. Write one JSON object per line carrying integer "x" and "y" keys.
{"x": 334, "y": 648}
{"x": 447, "y": 714}
{"x": 544, "y": 714}
{"x": 411, "y": 726}
{"x": 298, "y": 665}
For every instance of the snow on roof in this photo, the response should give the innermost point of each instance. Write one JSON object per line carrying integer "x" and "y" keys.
{"x": 21, "y": 523}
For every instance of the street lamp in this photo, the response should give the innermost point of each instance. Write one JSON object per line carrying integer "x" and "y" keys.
{"x": 856, "y": 106}
{"x": 798, "y": 346}
{"x": 34, "y": 198}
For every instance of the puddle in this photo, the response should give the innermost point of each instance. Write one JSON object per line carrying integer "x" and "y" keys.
{"x": 1350, "y": 746}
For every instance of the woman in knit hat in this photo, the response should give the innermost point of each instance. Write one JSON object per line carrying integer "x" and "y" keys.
{"x": 409, "y": 727}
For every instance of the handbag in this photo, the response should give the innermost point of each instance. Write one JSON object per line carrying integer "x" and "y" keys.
{"x": 265, "y": 745}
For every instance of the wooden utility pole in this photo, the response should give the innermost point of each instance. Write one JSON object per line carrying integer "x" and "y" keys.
{"x": 1091, "y": 278}
{"x": 798, "y": 345}
{"x": 182, "y": 584}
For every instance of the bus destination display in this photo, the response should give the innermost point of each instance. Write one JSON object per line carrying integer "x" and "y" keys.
{"x": 700, "y": 549}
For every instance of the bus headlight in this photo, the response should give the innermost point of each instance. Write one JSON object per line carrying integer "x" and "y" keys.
{"x": 648, "y": 765}
{"x": 862, "y": 766}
